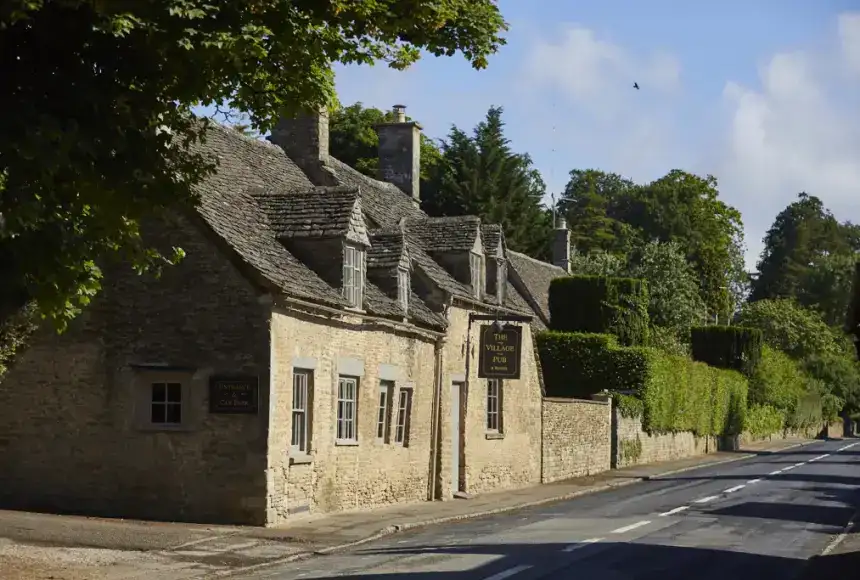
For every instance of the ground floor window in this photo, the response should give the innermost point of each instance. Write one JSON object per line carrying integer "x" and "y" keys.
{"x": 404, "y": 412}
{"x": 166, "y": 403}
{"x": 494, "y": 405}
{"x": 347, "y": 401}
{"x": 302, "y": 381}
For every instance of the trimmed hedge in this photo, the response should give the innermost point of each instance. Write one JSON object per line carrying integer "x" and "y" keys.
{"x": 677, "y": 394}
{"x": 764, "y": 420}
{"x": 601, "y": 304}
{"x": 727, "y": 347}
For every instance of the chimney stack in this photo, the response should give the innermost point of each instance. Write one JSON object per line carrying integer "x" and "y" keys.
{"x": 305, "y": 140}
{"x": 561, "y": 246}
{"x": 400, "y": 153}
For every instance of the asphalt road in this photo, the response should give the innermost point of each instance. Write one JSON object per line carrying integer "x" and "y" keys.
{"x": 759, "y": 518}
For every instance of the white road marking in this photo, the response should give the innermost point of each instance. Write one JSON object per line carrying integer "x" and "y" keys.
{"x": 582, "y": 544}
{"x": 508, "y": 573}
{"x": 675, "y": 511}
{"x": 754, "y": 481}
{"x": 820, "y": 457}
{"x": 735, "y": 488}
{"x": 777, "y": 472}
{"x": 846, "y": 447}
{"x": 707, "y": 499}
{"x": 790, "y": 467}
{"x": 799, "y": 464}
{"x": 631, "y": 527}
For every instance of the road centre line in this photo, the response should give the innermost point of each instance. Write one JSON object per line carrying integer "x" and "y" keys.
{"x": 753, "y": 481}
{"x": 707, "y": 499}
{"x": 675, "y": 511}
{"x": 631, "y": 527}
{"x": 735, "y": 488}
{"x": 582, "y": 544}
{"x": 508, "y": 573}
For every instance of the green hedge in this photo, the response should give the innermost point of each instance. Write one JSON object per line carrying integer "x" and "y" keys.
{"x": 601, "y": 304}
{"x": 764, "y": 420}
{"x": 677, "y": 394}
{"x": 777, "y": 381}
{"x": 727, "y": 347}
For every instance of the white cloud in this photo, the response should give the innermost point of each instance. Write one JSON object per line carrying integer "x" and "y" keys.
{"x": 595, "y": 72}
{"x": 798, "y": 131}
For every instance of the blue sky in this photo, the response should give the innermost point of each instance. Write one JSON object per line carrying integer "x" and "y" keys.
{"x": 763, "y": 94}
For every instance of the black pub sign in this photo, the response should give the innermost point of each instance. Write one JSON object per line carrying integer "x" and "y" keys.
{"x": 233, "y": 395}
{"x": 500, "y": 352}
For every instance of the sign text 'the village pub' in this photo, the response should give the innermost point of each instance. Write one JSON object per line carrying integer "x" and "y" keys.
{"x": 500, "y": 352}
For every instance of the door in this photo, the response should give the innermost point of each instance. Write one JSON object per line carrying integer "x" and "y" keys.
{"x": 456, "y": 435}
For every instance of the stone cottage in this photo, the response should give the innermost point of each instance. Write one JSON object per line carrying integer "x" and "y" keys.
{"x": 315, "y": 351}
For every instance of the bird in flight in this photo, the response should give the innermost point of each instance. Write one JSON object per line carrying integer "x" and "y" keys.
{"x": 636, "y": 86}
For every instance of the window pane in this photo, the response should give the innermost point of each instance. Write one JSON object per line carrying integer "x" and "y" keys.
{"x": 174, "y": 392}
{"x": 382, "y": 413}
{"x": 157, "y": 414}
{"x": 174, "y": 413}
{"x": 159, "y": 392}
{"x": 403, "y": 409}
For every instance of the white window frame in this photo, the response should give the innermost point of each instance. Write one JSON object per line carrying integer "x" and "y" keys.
{"x": 383, "y": 410}
{"x": 403, "y": 426}
{"x": 354, "y": 269}
{"x": 494, "y": 406}
{"x": 476, "y": 264}
{"x": 166, "y": 402}
{"x": 403, "y": 288}
{"x": 346, "y": 424}
{"x": 300, "y": 437}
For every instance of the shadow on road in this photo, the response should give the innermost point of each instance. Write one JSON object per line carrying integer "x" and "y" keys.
{"x": 604, "y": 561}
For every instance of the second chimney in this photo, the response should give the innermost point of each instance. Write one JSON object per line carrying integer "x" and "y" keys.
{"x": 561, "y": 246}
{"x": 400, "y": 153}
{"x": 305, "y": 140}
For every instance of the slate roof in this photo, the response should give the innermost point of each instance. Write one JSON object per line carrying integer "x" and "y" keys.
{"x": 318, "y": 212}
{"x": 229, "y": 209}
{"x": 446, "y": 234}
{"x": 386, "y": 248}
{"x": 384, "y": 203}
{"x": 533, "y": 278}
{"x": 491, "y": 235}
{"x": 259, "y": 196}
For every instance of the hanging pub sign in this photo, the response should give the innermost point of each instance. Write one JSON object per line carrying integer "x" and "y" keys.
{"x": 500, "y": 352}
{"x": 233, "y": 395}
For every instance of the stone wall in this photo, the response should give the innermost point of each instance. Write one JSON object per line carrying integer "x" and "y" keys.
{"x": 74, "y": 409}
{"x": 491, "y": 461}
{"x": 785, "y": 434}
{"x": 633, "y": 446}
{"x": 577, "y": 438}
{"x": 337, "y": 475}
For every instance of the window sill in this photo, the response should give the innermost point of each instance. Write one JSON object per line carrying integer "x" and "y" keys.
{"x": 164, "y": 428}
{"x": 493, "y": 435}
{"x": 355, "y": 310}
{"x": 301, "y": 459}
{"x": 346, "y": 443}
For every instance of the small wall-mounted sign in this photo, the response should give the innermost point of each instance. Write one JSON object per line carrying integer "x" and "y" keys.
{"x": 500, "y": 352}
{"x": 234, "y": 394}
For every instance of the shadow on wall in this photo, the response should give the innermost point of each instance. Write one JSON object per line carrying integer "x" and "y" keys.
{"x": 605, "y": 561}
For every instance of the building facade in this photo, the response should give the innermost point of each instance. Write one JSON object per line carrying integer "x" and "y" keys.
{"x": 316, "y": 351}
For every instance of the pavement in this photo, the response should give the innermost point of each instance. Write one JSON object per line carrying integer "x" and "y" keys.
{"x": 521, "y": 530}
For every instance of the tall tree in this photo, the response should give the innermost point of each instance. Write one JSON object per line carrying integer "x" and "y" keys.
{"x": 826, "y": 286}
{"x": 590, "y": 203}
{"x": 686, "y": 208}
{"x": 481, "y": 175}
{"x": 102, "y": 92}
{"x": 802, "y": 235}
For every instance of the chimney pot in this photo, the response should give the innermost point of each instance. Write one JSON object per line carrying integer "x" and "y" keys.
{"x": 399, "y": 113}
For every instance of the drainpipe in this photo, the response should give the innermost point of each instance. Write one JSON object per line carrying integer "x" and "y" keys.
{"x": 436, "y": 419}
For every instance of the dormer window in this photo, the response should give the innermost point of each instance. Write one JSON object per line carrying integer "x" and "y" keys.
{"x": 354, "y": 259}
{"x": 403, "y": 288}
{"x": 476, "y": 263}
{"x": 501, "y": 280}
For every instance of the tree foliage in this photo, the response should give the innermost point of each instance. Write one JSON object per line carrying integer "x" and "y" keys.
{"x": 673, "y": 286}
{"x": 99, "y": 131}
{"x": 805, "y": 238}
{"x": 480, "y": 174}
{"x": 591, "y": 203}
{"x": 793, "y": 329}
